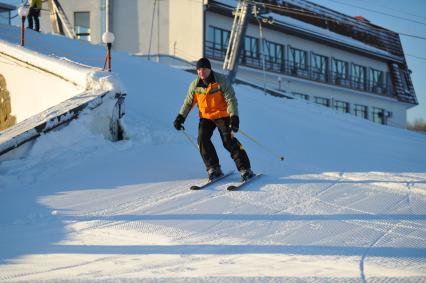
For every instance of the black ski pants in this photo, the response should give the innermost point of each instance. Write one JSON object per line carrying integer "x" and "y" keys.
{"x": 207, "y": 149}
{"x": 34, "y": 14}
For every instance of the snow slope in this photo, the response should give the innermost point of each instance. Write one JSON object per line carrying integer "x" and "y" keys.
{"x": 347, "y": 205}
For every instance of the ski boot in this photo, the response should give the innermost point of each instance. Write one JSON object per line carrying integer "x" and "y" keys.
{"x": 246, "y": 174}
{"x": 214, "y": 173}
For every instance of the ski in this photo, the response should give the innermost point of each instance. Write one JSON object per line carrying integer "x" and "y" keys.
{"x": 210, "y": 182}
{"x": 238, "y": 186}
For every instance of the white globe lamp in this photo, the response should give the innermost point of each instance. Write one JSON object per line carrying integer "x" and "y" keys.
{"x": 108, "y": 38}
{"x": 23, "y": 13}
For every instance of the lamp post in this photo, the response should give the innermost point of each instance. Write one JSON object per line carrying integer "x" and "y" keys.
{"x": 108, "y": 38}
{"x": 23, "y": 12}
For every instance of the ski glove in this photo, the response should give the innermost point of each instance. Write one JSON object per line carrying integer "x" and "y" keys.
{"x": 178, "y": 122}
{"x": 235, "y": 123}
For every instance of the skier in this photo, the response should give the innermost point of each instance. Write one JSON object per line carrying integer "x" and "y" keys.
{"x": 34, "y": 13}
{"x": 218, "y": 108}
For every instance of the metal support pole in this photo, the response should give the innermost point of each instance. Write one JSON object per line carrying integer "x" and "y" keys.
{"x": 107, "y": 16}
{"x": 238, "y": 31}
{"x": 262, "y": 53}
{"x": 109, "y": 56}
{"x": 22, "y": 31}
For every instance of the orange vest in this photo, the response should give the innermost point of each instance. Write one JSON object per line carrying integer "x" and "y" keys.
{"x": 211, "y": 104}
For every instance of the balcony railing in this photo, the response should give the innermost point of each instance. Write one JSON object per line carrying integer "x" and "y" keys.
{"x": 307, "y": 72}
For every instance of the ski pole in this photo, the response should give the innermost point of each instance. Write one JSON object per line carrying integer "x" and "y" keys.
{"x": 191, "y": 140}
{"x": 262, "y": 146}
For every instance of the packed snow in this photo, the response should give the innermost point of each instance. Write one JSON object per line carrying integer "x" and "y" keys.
{"x": 348, "y": 203}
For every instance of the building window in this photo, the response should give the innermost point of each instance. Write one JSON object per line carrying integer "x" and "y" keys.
{"x": 4, "y": 17}
{"x": 381, "y": 115}
{"x": 359, "y": 77}
{"x": 339, "y": 72}
{"x": 251, "y": 51}
{"x": 301, "y": 95}
{"x": 361, "y": 111}
{"x": 377, "y": 81}
{"x": 274, "y": 54}
{"x": 298, "y": 61}
{"x": 319, "y": 67}
{"x": 322, "y": 101}
{"x": 341, "y": 106}
{"x": 217, "y": 42}
{"x": 82, "y": 25}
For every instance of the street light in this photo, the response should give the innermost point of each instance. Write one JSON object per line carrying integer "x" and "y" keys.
{"x": 23, "y": 12}
{"x": 108, "y": 38}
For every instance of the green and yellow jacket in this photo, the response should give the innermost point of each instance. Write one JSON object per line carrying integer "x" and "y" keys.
{"x": 215, "y": 98}
{"x": 35, "y": 4}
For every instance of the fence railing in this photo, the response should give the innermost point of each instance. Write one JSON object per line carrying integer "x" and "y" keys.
{"x": 305, "y": 71}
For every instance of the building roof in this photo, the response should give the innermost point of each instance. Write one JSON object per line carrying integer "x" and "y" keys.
{"x": 7, "y": 6}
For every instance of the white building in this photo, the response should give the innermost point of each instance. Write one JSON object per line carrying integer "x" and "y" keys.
{"x": 310, "y": 51}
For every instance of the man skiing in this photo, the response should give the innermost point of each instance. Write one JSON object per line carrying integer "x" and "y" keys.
{"x": 218, "y": 108}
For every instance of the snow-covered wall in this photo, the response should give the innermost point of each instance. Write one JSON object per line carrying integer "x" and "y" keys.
{"x": 37, "y": 82}
{"x": 47, "y": 92}
{"x": 31, "y": 90}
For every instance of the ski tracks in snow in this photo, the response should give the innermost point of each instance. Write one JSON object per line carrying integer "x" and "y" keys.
{"x": 296, "y": 213}
{"x": 397, "y": 201}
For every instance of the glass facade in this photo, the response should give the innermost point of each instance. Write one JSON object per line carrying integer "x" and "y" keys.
{"x": 319, "y": 67}
{"x": 341, "y": 106}
{"x": 377, "y": 81}
{"x": 361, "y": 111}
{"x": 297, "y": 59}
{"x": 274, "y": 54}
{"x": 82, "y": 25}
{"x": 217, "y": 42}
{"x": 301, "y": 95}
{"x": 339, "y": 71}
{"x": 359, "y": 77}
{"x": 379, "y": 115}
{"x": 322, "y": 101}
{"x": 251, "y": 54}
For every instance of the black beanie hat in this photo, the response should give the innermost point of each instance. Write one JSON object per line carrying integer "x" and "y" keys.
{"x": 204, "y": 63}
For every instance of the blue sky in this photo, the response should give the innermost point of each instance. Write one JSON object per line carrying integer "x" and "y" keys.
{"x": 410, "y": 9}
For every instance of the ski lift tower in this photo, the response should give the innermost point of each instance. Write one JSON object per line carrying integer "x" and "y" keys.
{"x": 238, "y": 31}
